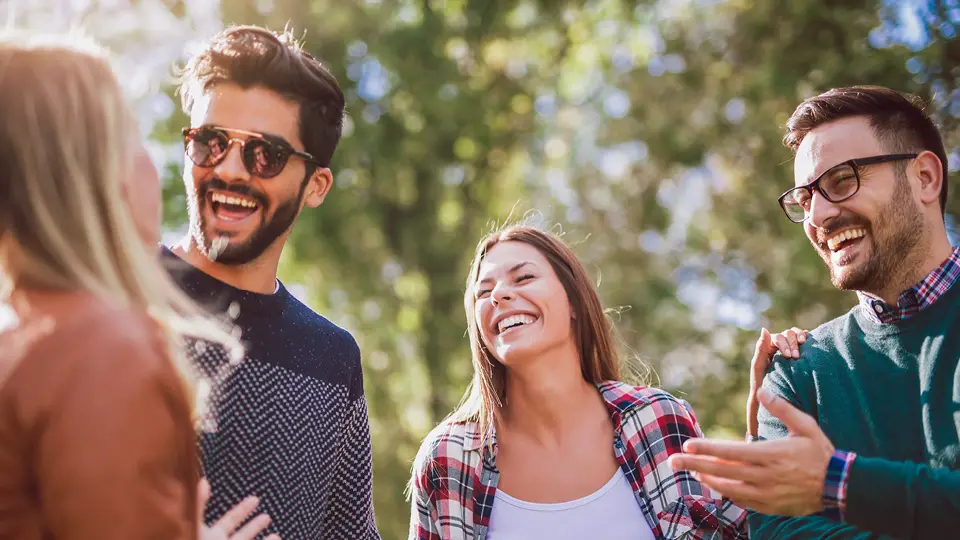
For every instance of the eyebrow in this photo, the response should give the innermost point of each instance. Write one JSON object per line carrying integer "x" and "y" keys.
{"x": 512, "y": 270}
{"x": 824, "y": 172}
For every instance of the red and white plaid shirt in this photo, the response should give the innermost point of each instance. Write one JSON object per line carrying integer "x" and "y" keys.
{"x": 455, "y": 476}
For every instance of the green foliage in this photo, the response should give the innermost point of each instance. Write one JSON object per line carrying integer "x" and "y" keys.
{"x": 651, "y": 131}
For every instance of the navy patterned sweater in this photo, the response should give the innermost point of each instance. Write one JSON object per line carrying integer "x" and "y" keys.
{"x": 289, "y": 423}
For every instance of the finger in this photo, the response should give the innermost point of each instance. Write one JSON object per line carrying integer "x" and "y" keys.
{"x": 761, "y": 357}
{"x": 801, "y": 334}
{"x": 252, "y": 529}
{"x": 757, "y": 452}
{"x": 203, "y": 495}
{"x": 708, "y": 465}
{"x": 753, "y": 409}
{"x": 782, "y": 343}
{"x": 235, "y": 516}
{"x": 273, "y": 537}
{"x": 792, "y": 342}
{"x": 745, "y": 495}
{"x": 796, "y": 421}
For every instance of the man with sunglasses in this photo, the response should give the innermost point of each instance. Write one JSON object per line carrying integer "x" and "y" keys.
{"x": 863, "y": 430}
{"x": 289, "y": 424}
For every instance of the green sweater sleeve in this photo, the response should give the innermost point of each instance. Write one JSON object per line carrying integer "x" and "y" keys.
{"x": 764, "y": 526}
{"x": 802, "y": 528}
{"x": 905, "y": 500}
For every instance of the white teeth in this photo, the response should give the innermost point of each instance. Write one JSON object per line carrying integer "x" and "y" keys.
{"x": 848, "y": 234}
{"x": 236, "y": 201}
{"x": 515, "y": 320}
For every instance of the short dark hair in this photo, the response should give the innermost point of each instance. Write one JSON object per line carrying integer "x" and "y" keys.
{"x": 252, "y": 56}
{"x": 898, "y": 120}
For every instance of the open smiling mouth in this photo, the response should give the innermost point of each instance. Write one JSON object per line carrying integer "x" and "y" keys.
{"x": 515, "y": 321}
{"x": 848, "y": 238}
{"x": 230, "y": 207}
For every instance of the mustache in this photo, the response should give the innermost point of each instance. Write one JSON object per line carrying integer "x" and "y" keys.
{"x": 239, "y": 189}
{"x": 840, "y": 223}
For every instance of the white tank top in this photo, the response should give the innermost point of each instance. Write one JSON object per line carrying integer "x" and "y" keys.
{"x": 610, "y": 513}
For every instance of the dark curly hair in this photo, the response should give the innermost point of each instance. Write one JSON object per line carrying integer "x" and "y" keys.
{"x": 252, "y": 56}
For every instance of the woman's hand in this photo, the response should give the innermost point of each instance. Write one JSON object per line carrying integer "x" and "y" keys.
{"x": 223, "y": 529}
{"x": 788, "y": 343}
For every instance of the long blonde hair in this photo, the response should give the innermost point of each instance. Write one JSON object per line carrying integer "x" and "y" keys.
{"x": 65, "y": 135}
{"x": 594, "y": 332}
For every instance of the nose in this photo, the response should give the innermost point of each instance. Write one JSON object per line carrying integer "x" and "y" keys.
{"x": 501, "y": 293}
{"x": 821, "y": 210}
{"x": 232, "y": 167}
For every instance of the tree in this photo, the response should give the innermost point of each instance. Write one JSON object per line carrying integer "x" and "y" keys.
{"x": 650, "y": 130}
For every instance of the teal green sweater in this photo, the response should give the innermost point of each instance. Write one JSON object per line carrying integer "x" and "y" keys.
{"x": 890, "y": 393}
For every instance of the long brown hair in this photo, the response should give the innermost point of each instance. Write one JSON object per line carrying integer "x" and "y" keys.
{"x": 593, "y": 331}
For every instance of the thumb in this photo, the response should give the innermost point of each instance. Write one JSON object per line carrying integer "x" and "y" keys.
{"x": 765, "y": 343}
{"x": 796, "y": 421}
{"x": 761, "y": 357}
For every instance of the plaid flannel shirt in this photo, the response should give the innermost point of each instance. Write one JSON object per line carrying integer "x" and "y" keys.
{"x": 921, "y": 295}
{"x": 909, "y": 303}
{"x": 455, "y": 476}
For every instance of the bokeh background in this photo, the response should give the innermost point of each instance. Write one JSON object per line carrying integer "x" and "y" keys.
{"x": 648, "y": 132}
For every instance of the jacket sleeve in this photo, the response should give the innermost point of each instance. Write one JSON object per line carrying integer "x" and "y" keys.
{"x": 115, "y": 453}
{"x": 764, "y": 526}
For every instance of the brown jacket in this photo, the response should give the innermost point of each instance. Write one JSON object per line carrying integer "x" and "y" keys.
{"x": 96, "y": 438}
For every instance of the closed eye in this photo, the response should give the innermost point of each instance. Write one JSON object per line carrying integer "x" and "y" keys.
{"x": 525, "y": 277}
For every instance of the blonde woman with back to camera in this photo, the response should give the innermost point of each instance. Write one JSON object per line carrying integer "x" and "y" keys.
{"x": 548, "y": 443}
{"x": 97, "y": 438}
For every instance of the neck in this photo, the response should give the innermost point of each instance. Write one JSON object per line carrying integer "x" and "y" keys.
{"x": 259, "y": 276}
{"x": 548, "y": 396}
{"x": 918, "y": 267}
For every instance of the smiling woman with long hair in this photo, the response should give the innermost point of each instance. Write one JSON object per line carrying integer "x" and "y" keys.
{"x": 97, "y": 437}
{"x": 548, "y": 443}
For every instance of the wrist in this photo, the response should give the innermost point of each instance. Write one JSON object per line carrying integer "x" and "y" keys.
{"x": 835, "y": 484}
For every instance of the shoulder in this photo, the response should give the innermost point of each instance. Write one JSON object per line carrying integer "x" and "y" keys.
{"x": 89, "y": 347}
{"x": 97, "y": 329}
{"x": 322, "y": 329}
{"x": 824, "y": 351}
{"x": 654, "y": 423}
{"x": 449, "y": 450}
{"x": 632, "y": 400}
{"x": 649, "y": 413}
{"x": 120, "y": 328}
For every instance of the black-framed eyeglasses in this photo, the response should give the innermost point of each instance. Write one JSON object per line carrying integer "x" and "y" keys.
{"x": 836, "y": 184}
{"x": 264, "y": 156}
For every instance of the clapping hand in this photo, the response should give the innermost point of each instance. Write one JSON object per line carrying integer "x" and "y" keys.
{"x": 783, "y": 476}
{"x": 788, "y": 343}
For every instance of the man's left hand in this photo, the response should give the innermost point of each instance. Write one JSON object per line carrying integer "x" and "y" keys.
{"x": 778, "y": 477}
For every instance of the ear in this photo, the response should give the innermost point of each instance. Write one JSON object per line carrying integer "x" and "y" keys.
{"x": 319, "y": 184}
{"x": 929, "y": 172}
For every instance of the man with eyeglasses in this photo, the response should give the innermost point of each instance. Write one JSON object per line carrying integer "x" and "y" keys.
{"x": 289, "y": 424}
{"x": 862, "y": 432}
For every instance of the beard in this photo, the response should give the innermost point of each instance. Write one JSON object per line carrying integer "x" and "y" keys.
{"x": 218, "y": 247}
{"x": 896, "y": 234}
